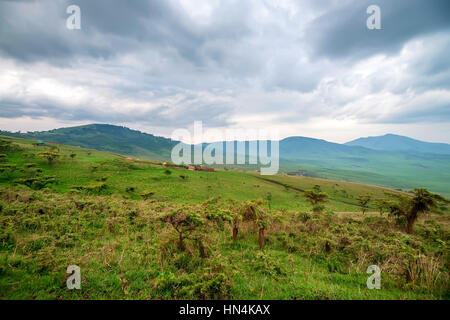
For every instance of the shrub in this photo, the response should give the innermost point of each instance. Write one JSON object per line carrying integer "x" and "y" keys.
{"x": 147, "y": 194}
{"x": 8, "y": 169}
{"x": 5, "y": 145}
{"x": 92, "y": 187}
{"x": 37, "y": 183}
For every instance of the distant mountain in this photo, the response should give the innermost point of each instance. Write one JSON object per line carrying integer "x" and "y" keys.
{"x": 302, "y": 147}
{"x": 109, "y": 138}
{"x": 392, "y": 142}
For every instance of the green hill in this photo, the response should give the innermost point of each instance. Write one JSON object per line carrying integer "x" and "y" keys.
{"x": 109, "y": 138}
{"x": 299, "y": 155}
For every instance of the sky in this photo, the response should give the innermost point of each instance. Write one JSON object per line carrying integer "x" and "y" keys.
{"x": 302, "y": 68}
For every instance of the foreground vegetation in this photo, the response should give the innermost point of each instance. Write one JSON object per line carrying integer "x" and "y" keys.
{"x": 139, "y": 230}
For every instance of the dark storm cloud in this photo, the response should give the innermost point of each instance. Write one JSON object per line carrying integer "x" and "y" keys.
{"x": 35, "y": 30}
{"x": 342, "y": 33}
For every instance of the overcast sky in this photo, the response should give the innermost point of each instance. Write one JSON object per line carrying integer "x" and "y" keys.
{"x": 308, "y": 68}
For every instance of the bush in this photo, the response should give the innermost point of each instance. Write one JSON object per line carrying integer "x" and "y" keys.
{"x": 147, "y": 194}
{"x": 92, "y": 187}
{"x": 37, "y": 183}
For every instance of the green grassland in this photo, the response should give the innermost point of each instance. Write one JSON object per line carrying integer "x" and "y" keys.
{"x": 92, "y": 215}
{"x": 317, "y": 158}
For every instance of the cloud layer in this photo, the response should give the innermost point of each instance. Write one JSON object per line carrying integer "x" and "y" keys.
{"x": 303, "y": 67}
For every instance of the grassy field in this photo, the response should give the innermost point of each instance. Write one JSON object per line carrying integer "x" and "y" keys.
{"x": 93, "y": 215}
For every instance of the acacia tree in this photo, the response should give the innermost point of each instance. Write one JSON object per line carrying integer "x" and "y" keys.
{"x": 50, "y": 155}
{"x": 423, "y": 201}
{"x": 184, "y": 220}
{"x": 382, "y": 205}
{"x": 364, "y": 201}
{"x": 410, "y": 208}
{"x": 217, "y": 213}
{"x": 316, "y": 198}
{"x": 257, "y": 212}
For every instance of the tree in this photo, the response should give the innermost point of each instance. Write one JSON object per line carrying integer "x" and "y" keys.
{"x": 382, "y": 205}
{"x": 410, "y": 208}
{"x": 184, "y": 220}
{"x": 316, "y": 199}
{"x": 423, "y": 201}
{"x": 50, "y": 155}
{"x": 73, "y": 155}
{"x": 255, "y": 211}
{"x": 364, "y": 201}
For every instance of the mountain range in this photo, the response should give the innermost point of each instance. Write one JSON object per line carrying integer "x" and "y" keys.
{"x": 390, "y": 160}
{"x": 392, "y": 142}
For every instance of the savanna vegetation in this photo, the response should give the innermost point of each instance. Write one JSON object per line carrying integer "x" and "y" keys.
{"x": 139, "y": 230}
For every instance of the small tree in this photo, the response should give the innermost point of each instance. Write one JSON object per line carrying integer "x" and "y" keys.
{"x": 316, "y": 199}
{"x": 184, "y": 220}
{"x": 382, "y": 205}
{"x": 256, "y": 212}
{"x": 72, "y": 156}
{"x": 50, "y": 155}
{"x": 364, "y": 201}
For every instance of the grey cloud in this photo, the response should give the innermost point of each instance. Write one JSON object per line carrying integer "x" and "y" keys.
{"x": 213, "y": 113}
{"x": 342, "y": 33}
